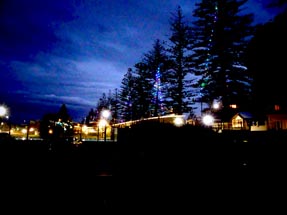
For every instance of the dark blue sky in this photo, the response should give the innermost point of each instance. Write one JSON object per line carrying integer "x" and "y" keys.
{"x": 72, "y": 51}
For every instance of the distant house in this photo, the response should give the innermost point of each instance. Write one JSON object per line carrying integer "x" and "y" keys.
{"x": 244, "y": 121}
{"x": 274, "y": 118}
{"x": 247, "y": 121}
{"x": 277, "y": 121}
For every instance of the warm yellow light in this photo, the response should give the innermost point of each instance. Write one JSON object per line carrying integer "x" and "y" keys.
{"x": 103, "y": 123}
{"x": 24, "y": 131}
{"x": 238, "y": 118}
{"x": 178, "y": 121}
{"x": 92, "y": 130}
{"x": 84, "y": 128}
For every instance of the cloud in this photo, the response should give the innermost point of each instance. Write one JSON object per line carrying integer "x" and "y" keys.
{"x": 28, "y": 26}
{"x": 52, "y": 80}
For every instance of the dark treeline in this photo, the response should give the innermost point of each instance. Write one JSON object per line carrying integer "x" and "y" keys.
{"x": 218, "y": 56}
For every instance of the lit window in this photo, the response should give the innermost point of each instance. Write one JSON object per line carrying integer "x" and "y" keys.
{"x": 277, "y": 107}
{"x": 233, "y": 106}
{"x": 237, "y": 122}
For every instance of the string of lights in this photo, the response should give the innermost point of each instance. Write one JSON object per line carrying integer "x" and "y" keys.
{"x": 210, "y": 41}
{"x": 157, "y": 93}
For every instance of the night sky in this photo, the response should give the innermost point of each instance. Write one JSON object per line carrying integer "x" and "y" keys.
{"x": 56, "y": 52}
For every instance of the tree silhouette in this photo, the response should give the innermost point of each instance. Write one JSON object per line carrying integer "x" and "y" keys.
{"x": 179, "y": 83}
{"x": 267, "y": 63}
{"x": 221, "y": 32}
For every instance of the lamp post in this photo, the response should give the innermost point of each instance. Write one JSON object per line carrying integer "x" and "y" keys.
{"x": 105, "y": 132}
{"x": 4, "y": 114}
{"x": 105, "y": 114}
{"x": 102, "y": 124}
{"x": 81, "y": 132}
{"x": 9, "y": 125}
{"x": 28, "y": 128}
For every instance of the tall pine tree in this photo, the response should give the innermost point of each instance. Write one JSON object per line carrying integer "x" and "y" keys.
{"x": 157, "y": 101}
{"x": 143, "y": 86}
{"x": 179, "y": 78}
{"x": 115, "y": 106}
{"x": 127, "y": 96}
{"x": 220, "y": 36}
{"x": 154, "y": 60}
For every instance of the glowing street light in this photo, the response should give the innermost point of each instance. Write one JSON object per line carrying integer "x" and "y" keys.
{"x": 178, "y": 121}
{"x": 104, "y": 121}
{"x": 106, "y": 114}
{"x": 216, "y": 105}
{"x": 208, "y": 120}
{"x": 3, "y": 111}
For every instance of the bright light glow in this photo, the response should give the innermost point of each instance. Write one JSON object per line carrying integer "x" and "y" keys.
{"x": 106, "y": 114}
{"x": 178, "y": 121}
{"x": 103, "y": 123}
{"x": 24, "y": 131}
{"x": 92, "y": 130}
{"x": 84, "y": 128}
{"x": 3, "y": 111}
{"x": 208, "y": 120}
{"x": 216, "y": 105}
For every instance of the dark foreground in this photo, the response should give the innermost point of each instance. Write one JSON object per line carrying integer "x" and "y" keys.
{"x": 160, "y": 168}
{"x": 150, "y": 155}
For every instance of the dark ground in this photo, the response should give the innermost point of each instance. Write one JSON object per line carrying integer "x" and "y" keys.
{"x": 152, "y": 155}
{"x": 159, "y": 168}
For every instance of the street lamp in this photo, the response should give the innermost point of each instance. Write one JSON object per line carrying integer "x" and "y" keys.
{"x": 208, "y": 120}
{"x": 4, "y": 114}
{"x": 103, "y": 124}
{"x": 216, "y": 105}
{"x": 105, "y": 114}
{"x": 3, "y": 111}
{"x": 178, "y": 121}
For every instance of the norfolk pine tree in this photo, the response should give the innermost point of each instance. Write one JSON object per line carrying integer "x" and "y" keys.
{"x": 221, "y": 33}
{"x": 179, "y": 76}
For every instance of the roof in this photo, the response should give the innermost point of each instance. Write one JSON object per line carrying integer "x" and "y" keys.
{"x": 246, "y": 115}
